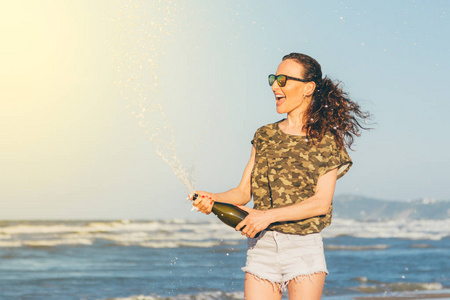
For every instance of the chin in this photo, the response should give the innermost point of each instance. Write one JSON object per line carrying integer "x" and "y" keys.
{"x": 280, "y": 110}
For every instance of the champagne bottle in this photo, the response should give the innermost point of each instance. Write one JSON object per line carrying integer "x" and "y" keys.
{"x": 228, "y": 213}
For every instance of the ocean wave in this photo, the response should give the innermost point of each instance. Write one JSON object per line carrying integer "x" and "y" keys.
{"x": 404, "y": 229}
{"x": 5, "y": 236}
{"x": 192, "y": 244}
{"x": 357, "y": 248}
{"x": 57, "y": 242}
{"x": 201, "y": 296}
{"x": 186, "y": 233}
{"x": 373, "y": 286}
{"x": 10, "y": 244}
{"x": 424, "y": 245}
{"x": 44, "y": 243}
{"x": 78, "y": 227}
{"x": 153, "y": 234}
{"x": 51, "y": 227}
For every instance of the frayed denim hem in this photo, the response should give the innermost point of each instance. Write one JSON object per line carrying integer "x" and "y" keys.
{"x": 276, "y": 285}
{"x": 299, "y": 278}
{"x": 282, "y": 286}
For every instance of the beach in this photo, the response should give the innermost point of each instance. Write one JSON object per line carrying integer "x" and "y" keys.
{"x": 405, "y": 297}
{"x": 188, "y": 259}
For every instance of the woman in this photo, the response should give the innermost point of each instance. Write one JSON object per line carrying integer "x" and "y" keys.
{"x": 291, "y": 176}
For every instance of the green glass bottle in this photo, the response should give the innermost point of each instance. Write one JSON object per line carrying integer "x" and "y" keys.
{"x": 228, "y": 213}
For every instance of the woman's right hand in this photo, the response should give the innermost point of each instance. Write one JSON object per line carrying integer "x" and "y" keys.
{"x": 204, "y": 201}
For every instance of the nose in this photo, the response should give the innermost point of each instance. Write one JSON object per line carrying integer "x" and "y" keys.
{"x": 275, "y": 87}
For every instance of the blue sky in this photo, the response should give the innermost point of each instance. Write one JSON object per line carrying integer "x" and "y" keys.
{"x": 75, "y": 82}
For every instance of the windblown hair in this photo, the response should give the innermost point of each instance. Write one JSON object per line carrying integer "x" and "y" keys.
{"x": 331, "y": 109}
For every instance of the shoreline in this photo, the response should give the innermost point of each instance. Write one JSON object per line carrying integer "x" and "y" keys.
{"x": 407, "y": 297}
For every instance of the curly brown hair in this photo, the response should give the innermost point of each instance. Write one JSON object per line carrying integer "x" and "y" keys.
{"x": 331, "y": 109}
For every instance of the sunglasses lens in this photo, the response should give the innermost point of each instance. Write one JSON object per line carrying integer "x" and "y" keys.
{"x": 281, "y": 79}
{"x": 271, "y": 79}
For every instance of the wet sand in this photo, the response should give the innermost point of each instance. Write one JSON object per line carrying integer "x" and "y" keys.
{"x": 409, "y": 297}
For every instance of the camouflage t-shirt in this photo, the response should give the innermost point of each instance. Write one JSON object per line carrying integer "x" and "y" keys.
{"x": 286, "y": 171}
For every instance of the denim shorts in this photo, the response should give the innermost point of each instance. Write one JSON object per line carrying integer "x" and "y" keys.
{"x": 279, "y": 257}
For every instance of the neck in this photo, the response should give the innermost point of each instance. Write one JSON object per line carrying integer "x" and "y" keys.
{"x": 295, "y": 117}
{"x": 293, "y": 124}
{"x": 294, "y": 121}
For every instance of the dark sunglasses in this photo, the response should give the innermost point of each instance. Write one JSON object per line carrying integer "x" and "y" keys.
{"x": 281, "y": 79}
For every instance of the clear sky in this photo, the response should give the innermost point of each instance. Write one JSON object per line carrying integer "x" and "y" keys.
{"x": 90, "y": 91}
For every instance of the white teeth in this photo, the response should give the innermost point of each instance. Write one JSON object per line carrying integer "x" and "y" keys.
{"x": 279, "y": 96}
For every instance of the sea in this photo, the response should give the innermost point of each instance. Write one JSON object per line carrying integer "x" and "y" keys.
{"x": 202, "y": 260}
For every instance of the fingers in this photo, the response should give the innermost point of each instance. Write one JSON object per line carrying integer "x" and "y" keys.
{"x": 249, "y": 227}
{"x": 249, "y": 233}
{"x": 243, "y": 228}
{"x": 204, "y": 202}
{"x": 246, "y": 229}
{"x": 240, "y": 226}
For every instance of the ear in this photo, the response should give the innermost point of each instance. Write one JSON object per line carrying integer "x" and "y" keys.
{"x": 309, "y": 88}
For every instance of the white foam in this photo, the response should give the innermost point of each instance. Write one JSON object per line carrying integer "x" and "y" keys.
{"x": 113, "y": 226}
{"x": 370, "y": 286}
{"x": 405, "y": 229}
{"x": 10, "y": 244}
{"x": 5, "y": 236}
{"x": 184, "y": 233}
{"x": 157, "y": 234}
{"x": 357, "y": 248}
{"x": 137, "y": 297}
{"x": 156, "y": 245}
{"x": 52, "y": 243}
{"x": 177, "y": 244}
{"x": 201, "y": 296}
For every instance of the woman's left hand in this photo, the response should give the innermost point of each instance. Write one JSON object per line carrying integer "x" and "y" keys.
{"x": 255, "y": 222}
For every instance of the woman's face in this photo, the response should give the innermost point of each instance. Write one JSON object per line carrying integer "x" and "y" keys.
{"x": 289, "y": 98}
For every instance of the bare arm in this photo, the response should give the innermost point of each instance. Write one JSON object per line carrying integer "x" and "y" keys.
{"x": 316, "y": 205}
{"x": 240, "y": 195}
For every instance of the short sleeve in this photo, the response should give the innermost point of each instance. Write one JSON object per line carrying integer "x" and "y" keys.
{"x": 255, "y": 139}
{"x": 335, "y": 158}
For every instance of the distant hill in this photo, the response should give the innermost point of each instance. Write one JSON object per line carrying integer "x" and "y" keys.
{"x": 369, "y": 209}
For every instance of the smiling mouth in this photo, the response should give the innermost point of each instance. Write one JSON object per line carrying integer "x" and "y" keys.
{"x": 280, "y": 99}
